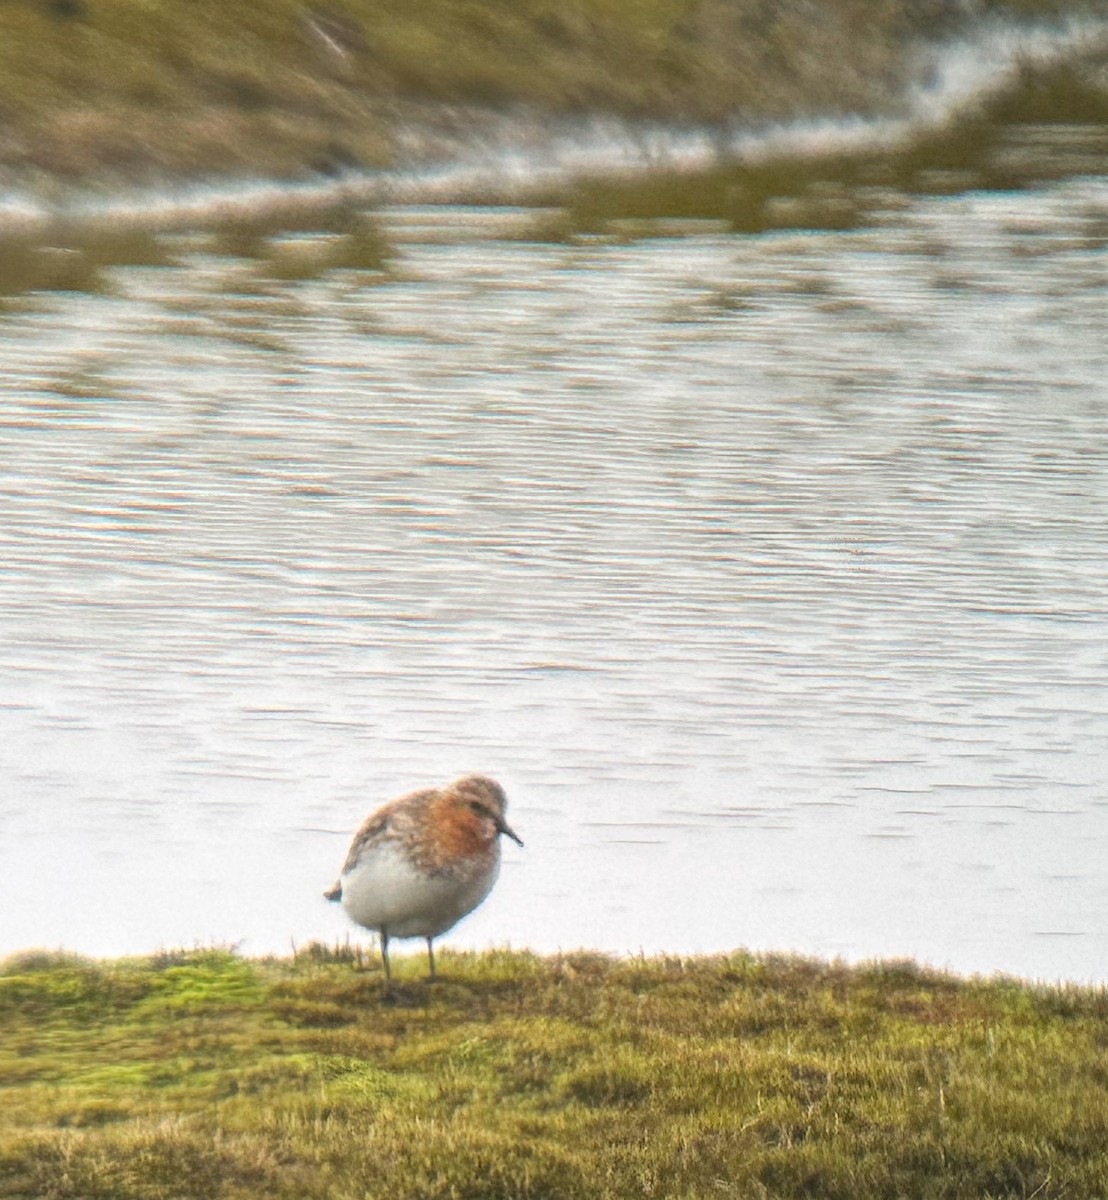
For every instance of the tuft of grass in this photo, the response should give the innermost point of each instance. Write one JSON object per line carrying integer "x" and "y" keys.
{"x": 202, "y": 1074}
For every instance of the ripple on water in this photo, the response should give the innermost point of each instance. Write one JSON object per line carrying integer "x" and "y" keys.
{"x": 768, "y": 571}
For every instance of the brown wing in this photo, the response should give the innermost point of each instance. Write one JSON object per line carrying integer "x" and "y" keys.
{"x": 390, "y": 817}
{"x": 369, "y": 831}
{"x": 394, "y": 814}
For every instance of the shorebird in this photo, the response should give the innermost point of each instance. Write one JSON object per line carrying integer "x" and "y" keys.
{"x": 423, "y": 861}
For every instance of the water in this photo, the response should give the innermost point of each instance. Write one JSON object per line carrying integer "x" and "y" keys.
{"x": 769, "y": 574}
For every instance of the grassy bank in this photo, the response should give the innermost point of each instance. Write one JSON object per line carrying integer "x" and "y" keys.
{"x": 203, "y": 1075}
{"x": 144, "y": 89}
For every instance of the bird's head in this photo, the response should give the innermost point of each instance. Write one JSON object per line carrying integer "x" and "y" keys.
{"x": 482, "y": 803}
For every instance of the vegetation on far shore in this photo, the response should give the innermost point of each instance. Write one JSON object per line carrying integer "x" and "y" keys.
{"x": 100, "y": 96}
{"x": 153, "y": 89}
{"x": 200, "y": 1074}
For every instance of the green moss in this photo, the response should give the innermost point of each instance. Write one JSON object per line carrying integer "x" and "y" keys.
{"x": 204, "y": 1075}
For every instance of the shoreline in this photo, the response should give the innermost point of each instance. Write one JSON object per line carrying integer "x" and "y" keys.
{"x": 292, "y": 93}
{"x": 807, "y": 173}
{"x": 364, "y": 957}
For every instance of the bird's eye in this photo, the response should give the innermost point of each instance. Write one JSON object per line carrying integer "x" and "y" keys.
{"x": 478, "y": 807}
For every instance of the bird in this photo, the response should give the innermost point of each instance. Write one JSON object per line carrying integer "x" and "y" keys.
{"x": 421, "y": 862}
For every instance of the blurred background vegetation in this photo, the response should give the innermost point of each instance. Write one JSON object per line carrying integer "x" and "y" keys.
{"x": 142, "y": 90}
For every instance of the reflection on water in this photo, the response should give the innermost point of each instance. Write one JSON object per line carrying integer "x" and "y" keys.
{"x": 768, "y": 573}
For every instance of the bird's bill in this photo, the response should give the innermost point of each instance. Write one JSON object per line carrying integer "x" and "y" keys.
{"x": 503, "y": 827}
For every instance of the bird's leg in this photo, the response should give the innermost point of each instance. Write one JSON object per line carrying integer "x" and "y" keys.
{"x": 431, "y": 957}
{"x": 385, "y": 954}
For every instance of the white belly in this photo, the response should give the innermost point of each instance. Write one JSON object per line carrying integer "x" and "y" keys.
{"x": 385, "y": 892}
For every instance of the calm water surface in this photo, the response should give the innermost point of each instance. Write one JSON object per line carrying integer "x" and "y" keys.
{"x": 770, "y": 574}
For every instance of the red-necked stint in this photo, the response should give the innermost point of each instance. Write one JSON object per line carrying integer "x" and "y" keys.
{"x": 423, "y": 861}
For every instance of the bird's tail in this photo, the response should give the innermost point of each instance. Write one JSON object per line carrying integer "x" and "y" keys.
{"x": 334, "y": 892}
